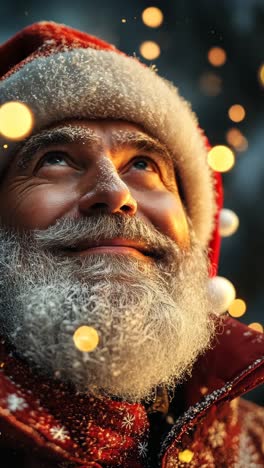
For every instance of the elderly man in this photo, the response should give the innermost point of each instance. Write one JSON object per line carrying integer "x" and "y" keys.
{"x": 116, "y": 350}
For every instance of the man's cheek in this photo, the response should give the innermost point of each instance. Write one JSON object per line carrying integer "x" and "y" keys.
{"x": 38, "y": 208}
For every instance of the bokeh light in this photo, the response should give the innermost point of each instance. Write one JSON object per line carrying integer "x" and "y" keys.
{"x": 228, "y": 222}
{"x": 203, "y": 390}
{"x": 237, "y": 308}
{"x": 210, "y": 84}
{"x": 221, "y": 158}
{"x": 16, "y": 120}
{"x": 186, "y": 456}
{"x": 235, "y": 138}
{"x": 256, "y": 326}
{"x": 152, "y": 17}
{"x": 216, "y": 56}
{"x": 236, "y": 113}
{"x": 150, "y": 50}
{"x": 86, "y": 338}
{"x": 261, "y": 74}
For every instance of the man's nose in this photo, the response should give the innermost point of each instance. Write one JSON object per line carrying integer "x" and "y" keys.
{"x": 108, "y": 192}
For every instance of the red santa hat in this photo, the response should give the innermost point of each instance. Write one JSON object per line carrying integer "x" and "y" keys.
{"x": 60, "y": 73}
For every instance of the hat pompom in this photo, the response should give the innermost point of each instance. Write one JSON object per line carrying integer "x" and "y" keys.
{"x": 222, "y": 293}
{"x": 229, "y": 222}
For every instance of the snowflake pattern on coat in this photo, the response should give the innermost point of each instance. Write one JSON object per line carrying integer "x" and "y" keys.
{"x": 16, "y": 403}
{"x": 128, "y": 421}
{"x": 59, "y": 432}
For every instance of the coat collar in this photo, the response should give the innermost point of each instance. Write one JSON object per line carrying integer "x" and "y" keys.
{"x": 236, "y": 356}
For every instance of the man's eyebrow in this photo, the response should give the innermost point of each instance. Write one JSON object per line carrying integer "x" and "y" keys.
{"x": 80, "y": 134}
{"x": 141, "y": 142}
{"x": 53, "y": 137}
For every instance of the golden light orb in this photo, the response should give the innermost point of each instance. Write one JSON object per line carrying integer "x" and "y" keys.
{"x": 261, "y": 74}
{"x": 203, "y": 390}
{"x": 123, "y": 20}
{"x": 5, "y": 146}
{"x": 186, "y": 456}
{"x": 235, "y": 138}
{"x": 150, "y": 50}
{"x": 86, "y": 338}
{"x": 236, "y": 113}
{"x": 237, "y": 308}
{"x": 152, "y": 17}
{"x": 221, "y": 158}
{"x": 256, "y": 326}
{"x": 16, "y": 120}
{"x": 216, "y": 56}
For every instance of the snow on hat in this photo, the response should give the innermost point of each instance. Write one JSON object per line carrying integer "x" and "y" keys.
{"x": 60, "y": 73}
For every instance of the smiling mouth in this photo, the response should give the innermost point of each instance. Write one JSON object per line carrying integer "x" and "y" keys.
{"x": 108, "y": 249}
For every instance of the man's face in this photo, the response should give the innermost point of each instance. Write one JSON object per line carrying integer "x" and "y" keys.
{"x": 83, "y": 167}
{"x": 76, "y": 184}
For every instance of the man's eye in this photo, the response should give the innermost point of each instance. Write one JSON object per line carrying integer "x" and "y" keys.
{"x": 58, "y": 158}
{"x": 54, "y": 158}
{"x": 146, "y": 162}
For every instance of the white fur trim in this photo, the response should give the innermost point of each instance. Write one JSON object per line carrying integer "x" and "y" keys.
{"x": 88, "y": 83}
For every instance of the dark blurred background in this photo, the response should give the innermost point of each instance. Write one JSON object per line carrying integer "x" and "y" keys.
{"x": 233, "y": 75}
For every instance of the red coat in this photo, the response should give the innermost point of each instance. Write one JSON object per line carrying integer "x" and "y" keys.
{"x": 44, "y": 424}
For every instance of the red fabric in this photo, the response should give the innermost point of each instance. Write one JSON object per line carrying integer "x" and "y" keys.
{"x": 236, "y": 347}
{"x": 94, "y": 432}
{"x": 215, "y": 243}
{"x": 229, "y": 435}
{"x": 31, "y": 42}
{"x": 85, "y": 428}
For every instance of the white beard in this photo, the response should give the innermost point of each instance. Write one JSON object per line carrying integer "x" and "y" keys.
{"x": 153, "y": 318}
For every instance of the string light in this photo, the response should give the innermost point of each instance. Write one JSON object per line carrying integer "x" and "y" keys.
{"x": 256, "y": 326}
{"x": 152, "y": 17}
{"x": 236, "y": 113}
{"x": 210, "y": 84}
{"x": 86, "y": 338}
{"x": 16, "y": 120}
{"x": 123, "y": 20}
{"x": 216, "y": 56}
{"x": 235, "y": 138}
{"x": 221, "y": 158}
{"x": 5, "y": 146}
{"x": 150, "y": 50}
{"x": 237, "y": 308}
